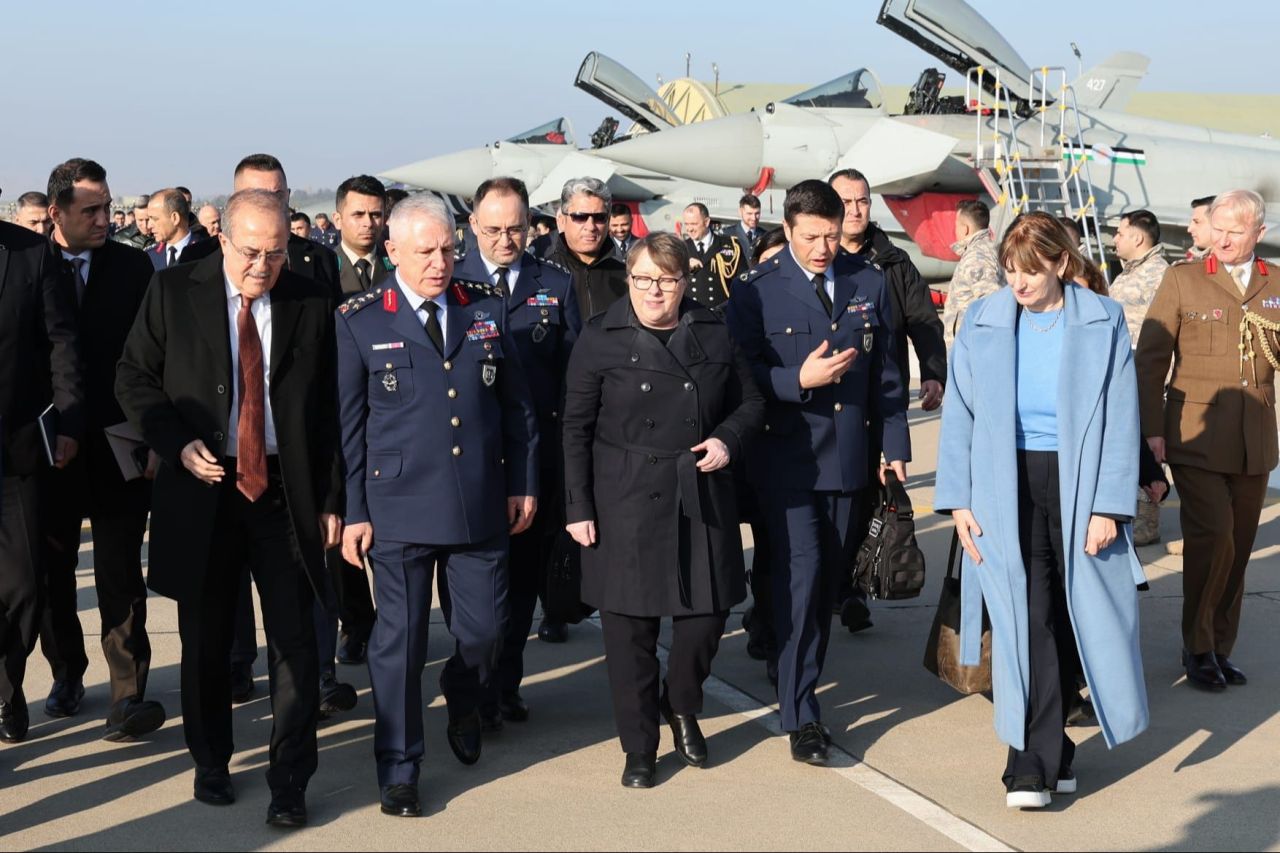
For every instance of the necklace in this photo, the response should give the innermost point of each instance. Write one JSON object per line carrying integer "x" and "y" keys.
{"x": 1057, "y": 315}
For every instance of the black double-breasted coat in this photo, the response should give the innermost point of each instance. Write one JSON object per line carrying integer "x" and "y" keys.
{"x": 667, "y": 534}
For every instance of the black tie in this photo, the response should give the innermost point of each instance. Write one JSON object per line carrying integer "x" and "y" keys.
{"x": 173, "y": 255}
{"x": 433, "y": 325}
{"x": 502, "y": 282}
{"x": 751, "y": 238}
{"x": 820, "y": 285}
{"x": 362, "y": 272}
{"x": 81, "y": 284}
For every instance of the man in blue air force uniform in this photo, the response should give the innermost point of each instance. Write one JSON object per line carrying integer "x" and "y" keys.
{"x": 440, "y": 441}
{"x": 543, "y": 322}
{"x": 815, "y": 328}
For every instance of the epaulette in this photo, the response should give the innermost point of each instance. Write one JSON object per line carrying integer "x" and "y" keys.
{"x": 555, "y": 266}
{"x": 361, "y": 300}
{"x": 483, "y": 288}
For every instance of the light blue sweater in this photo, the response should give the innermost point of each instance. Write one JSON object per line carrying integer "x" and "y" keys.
{"x": 1038, "y": 357}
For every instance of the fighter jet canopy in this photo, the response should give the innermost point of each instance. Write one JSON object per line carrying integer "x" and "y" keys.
{"x": 557, "y": 132}
{"x": 612, "y": 83}
{"x": 857, "y": 90}
{"x": 957, "y": 35}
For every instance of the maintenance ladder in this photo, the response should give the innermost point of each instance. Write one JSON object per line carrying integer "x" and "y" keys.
{"x": 1025, "y": 170}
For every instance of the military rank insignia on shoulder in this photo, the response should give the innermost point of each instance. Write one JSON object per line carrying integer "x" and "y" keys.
{"x": 464, "y": 289}
{"x": 555, "y": 265}
{"x": 360, "y": 300}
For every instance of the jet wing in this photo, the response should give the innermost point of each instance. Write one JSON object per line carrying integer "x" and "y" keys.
{"x": 891, "y": 154}
{"x": 575, "y": 165}
{"x": 957, "y": 35}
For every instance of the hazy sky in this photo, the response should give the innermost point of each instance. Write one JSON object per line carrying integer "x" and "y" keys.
{"x": 177, "y": 93}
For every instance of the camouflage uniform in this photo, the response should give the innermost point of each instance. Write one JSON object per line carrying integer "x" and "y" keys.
{"x": 1136, "y": 286}
{"x": 976, "y": 275}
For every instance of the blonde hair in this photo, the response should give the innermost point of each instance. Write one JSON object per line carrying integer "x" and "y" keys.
{"x": 1245, "y": 205}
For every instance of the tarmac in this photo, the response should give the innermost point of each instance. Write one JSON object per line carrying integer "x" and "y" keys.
{"x": 916, "y": 767}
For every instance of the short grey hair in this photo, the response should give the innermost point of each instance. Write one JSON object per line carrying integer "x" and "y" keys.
{"x": 423, "y": 205}
{"x": 593, "y": 187}
{"x": 1244, "y": 204}
{"x": 262, "y": 201}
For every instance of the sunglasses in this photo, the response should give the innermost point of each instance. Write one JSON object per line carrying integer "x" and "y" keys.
{"x": 601, "y": 218}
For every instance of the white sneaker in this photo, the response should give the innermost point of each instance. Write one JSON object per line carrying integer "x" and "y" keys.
{"x": 1027, "y": 799}
{"x": 1066, "y": 782}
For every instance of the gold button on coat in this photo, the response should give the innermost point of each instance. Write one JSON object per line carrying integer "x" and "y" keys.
{"x": 457, "y": 451}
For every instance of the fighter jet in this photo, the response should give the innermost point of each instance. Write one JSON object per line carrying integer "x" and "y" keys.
{"x": 1021, "y": 136}
{"x": 548, "y": 155}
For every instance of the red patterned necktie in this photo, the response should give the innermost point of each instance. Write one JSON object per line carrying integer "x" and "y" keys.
{"x": 251, "y": 440}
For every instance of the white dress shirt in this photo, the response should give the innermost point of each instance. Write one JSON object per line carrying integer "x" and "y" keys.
{"x": 179, "y": 246}
{"x": 513, "y": 274}
{"x": 829, "y": 276}
{"x": 419, "y": 306}
{"x": 261, "y": 311}
{"x": 1246, "y": 273}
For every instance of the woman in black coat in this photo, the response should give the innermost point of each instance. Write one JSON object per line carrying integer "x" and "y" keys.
{"x": 658, "y": 403}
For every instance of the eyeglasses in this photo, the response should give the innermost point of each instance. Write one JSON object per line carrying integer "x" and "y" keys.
{"x": 666, "y": 284}
{"x": 511, "y": 234}
{"x": 252, "y": 256}
{"x": 601, "y": 218}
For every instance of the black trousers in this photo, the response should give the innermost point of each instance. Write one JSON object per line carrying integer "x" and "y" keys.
{"x": 1052, "y": 643}
{"x": 117, "y": 512}
{"x": 631, "y": 655}
{"x": 21, "y": 583}
{"x": 761, "y": 575}
{"x": 259, "y": 538}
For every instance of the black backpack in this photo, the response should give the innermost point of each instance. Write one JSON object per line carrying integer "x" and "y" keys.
{"x": 890, "y": 565}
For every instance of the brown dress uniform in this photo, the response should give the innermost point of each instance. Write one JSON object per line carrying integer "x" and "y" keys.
{"x": 1217, "y": 417}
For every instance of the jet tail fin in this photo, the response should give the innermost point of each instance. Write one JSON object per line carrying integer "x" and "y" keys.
{"x": 1110, "y": 84}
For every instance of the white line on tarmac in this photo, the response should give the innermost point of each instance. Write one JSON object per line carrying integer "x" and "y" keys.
{"x": 854, "y": 769}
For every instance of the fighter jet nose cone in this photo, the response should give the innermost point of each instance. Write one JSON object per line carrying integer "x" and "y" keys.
{"x": 726, "y": 151}
{"x": 458, "y": 173}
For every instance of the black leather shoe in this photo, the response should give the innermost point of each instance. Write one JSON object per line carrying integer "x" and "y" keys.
{"x": 1231, "y": 673}
{"x": 761, "y": 644}
{"x": 553, "y": 632}
{"x": 241, "y": 684}
{"x": 1203, "y": 671}
{"x": 335, "y": 696}
{"x": 513, "y": 708}
{"x": 810, "y": 744}
{"x": 288, "y": 810}
{"x": 352, "y": 650}
{"x": 464, "y": 737}
{"x": 14, "y": 718}
{"x": 133, "y": 718}
{"x": 213, "y": 786}
{"x": 1081, "y": 713}
{"x": 490, "y": 721}
{"x": 855, "y": 614}
{"x": 64, "y": 698}
{"x": 640, "y": 770}
{"x": 691, "y": 746}
{"x": 401, "y": 801}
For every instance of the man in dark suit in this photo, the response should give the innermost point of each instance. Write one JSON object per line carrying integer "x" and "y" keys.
{"x": 310, "y": 260}
{"x": 543, "y": 321}
{"x": 715, "y": 259}
{"x": 109, "y": 280}
{"x": 38, "y": 367}
{"x": 250, "y": 480}
{"x": 170, "y": 217}
{"x": 817, "y": 330}
{"x": 747, "y": 230}
{"x": 620, "y": 230}
{"x": 360, "y": 212}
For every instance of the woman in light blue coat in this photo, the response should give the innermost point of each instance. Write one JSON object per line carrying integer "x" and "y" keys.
{"x": 1036, "y": 464}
